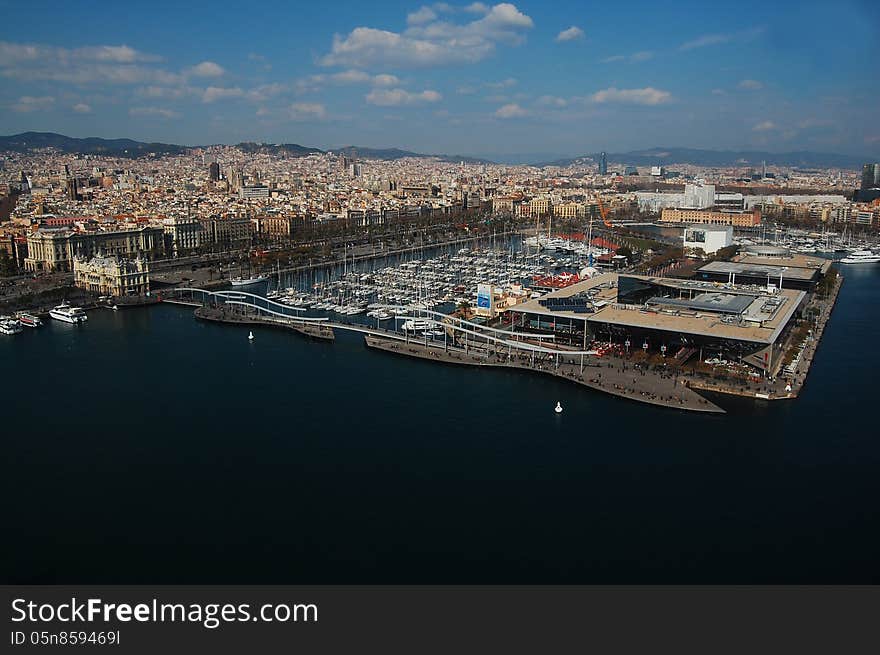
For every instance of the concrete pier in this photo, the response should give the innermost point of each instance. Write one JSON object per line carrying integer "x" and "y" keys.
{"x": 641, "y": 386}
{"x": 222, "y": 315}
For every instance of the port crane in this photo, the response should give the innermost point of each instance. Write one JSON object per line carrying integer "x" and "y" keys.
{"x": 603, "y": 211}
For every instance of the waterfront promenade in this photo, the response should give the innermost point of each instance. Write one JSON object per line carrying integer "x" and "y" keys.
{"x": 617, "y": 379}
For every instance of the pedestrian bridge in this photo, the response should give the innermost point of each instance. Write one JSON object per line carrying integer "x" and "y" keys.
{"x": 456, "y": 331}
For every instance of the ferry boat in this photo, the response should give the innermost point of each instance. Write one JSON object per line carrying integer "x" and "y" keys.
{"x": 64, "y": 312}
{"x": 861, "y": 257}
{"x": 29, "y": 320}
{"x": 246, "y": 281}
{"x": 8, "y": 326}
{"x": 416, "y": 325}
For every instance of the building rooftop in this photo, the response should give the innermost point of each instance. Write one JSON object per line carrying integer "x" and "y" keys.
{"x": 715, "y": 311}
{"x": 761, "y": 269}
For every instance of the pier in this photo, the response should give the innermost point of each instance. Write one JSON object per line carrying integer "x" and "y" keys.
{"x": 462, "y": 343}
{"x": 629, "y": 383}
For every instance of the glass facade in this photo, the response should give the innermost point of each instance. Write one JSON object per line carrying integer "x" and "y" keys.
{"x": 633, "y": 291}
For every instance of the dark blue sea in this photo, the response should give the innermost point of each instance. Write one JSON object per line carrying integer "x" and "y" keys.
{"x": 147, "y": 447}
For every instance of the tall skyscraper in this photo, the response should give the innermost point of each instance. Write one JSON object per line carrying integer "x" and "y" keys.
{"x": 603, "y": 164}
{"x": 870, "y": 176}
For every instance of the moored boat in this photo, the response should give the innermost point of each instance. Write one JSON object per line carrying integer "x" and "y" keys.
{"x": 29, "y": 320}
{"x": 68, "y": 314}
{"x": 9, "y": 326}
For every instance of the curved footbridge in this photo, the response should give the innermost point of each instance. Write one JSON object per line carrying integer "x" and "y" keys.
{"x": 463, "y": 343}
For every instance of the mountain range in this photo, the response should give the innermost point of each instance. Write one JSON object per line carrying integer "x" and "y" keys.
{"x": 653, "y": 156}
{"x": 88, "y": 146}
{"x": 27, "y": 141}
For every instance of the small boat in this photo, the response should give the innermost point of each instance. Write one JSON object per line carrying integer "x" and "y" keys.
{"x": 9, "y": 326}
{"x": 245, "y": 281}
{"x": 64, "y": 312}
{"x": 29, "y": 320}
{"x": 250, "y": 336}
{"x": 558, "y": 408}
{"x": 861, "y": 257}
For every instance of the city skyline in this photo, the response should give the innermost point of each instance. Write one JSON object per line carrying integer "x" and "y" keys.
{"x": 475, "y": 79}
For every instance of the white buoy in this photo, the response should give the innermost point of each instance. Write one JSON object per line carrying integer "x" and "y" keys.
{"x": 251, "y": 336}
{"x": 558, "y": 409}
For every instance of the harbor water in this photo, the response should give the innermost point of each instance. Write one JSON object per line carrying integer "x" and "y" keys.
{"x": 147, "y": 447}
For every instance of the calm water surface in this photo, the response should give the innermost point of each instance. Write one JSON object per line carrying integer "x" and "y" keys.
{"x": 148, "y": 447}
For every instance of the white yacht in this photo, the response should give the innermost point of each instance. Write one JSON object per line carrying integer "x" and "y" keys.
{"x": 64, "y": 312}
{"x": 246, "y": 281}
{"x": 861, "y": 257}
{"x": 8, "y": 326}
{"x": 416, "y": 325}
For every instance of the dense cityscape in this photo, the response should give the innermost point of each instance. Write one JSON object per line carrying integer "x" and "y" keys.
{"x": 120, "y": 231}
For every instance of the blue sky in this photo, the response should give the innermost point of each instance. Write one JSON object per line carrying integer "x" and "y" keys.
{"x": 536, "y": 78}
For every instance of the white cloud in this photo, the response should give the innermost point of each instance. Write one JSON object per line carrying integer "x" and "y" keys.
{"x": 396, "y": 97}
{"x": 90, "y": 64}
{"x": 573, "y": 33}
{"x": 433, "y": 43}
{"x": 764, "y": 126}
{"x": 752, "y": 85}
{"x": 718, "y": 39}
{"x": 214, "y": 93}
{"x": 477, "y": 8}
{"x": 307, "y": 111}
{"x": 82, "y": 108}
{"x": 642, "y": 55}
{"x": 706, "y": 39}
{"x": 159, "y": 112}
{"x": 121, "y": 54}
{"x": 176, "y": 92}
{"x": 207, "y": 69}
{"x": 351, "y": 77}
{"x": 647, "y": 96}
{"x": 314, "y": 83}
{"x": 511, "y": 110}
{"x": 422, "y": 15}
{"x": 22, "y": 53}
{"x": 27, "y": 104}
{"x": 386, "y": 80}
{"x": 551, "y": 101}
{"x": 502, "y": 84}
{"x": 263, "y": 92}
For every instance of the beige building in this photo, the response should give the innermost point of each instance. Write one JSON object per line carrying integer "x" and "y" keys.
{"x": 569, "y": 210}
{"x": 539, "y": 206}
{"x": 228, "y": 229}
{"x": 55, "y": 249}
{"x": 184, "y": 234}
{"x": 112, "y": 275}
{"x": 712, "y": 217}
